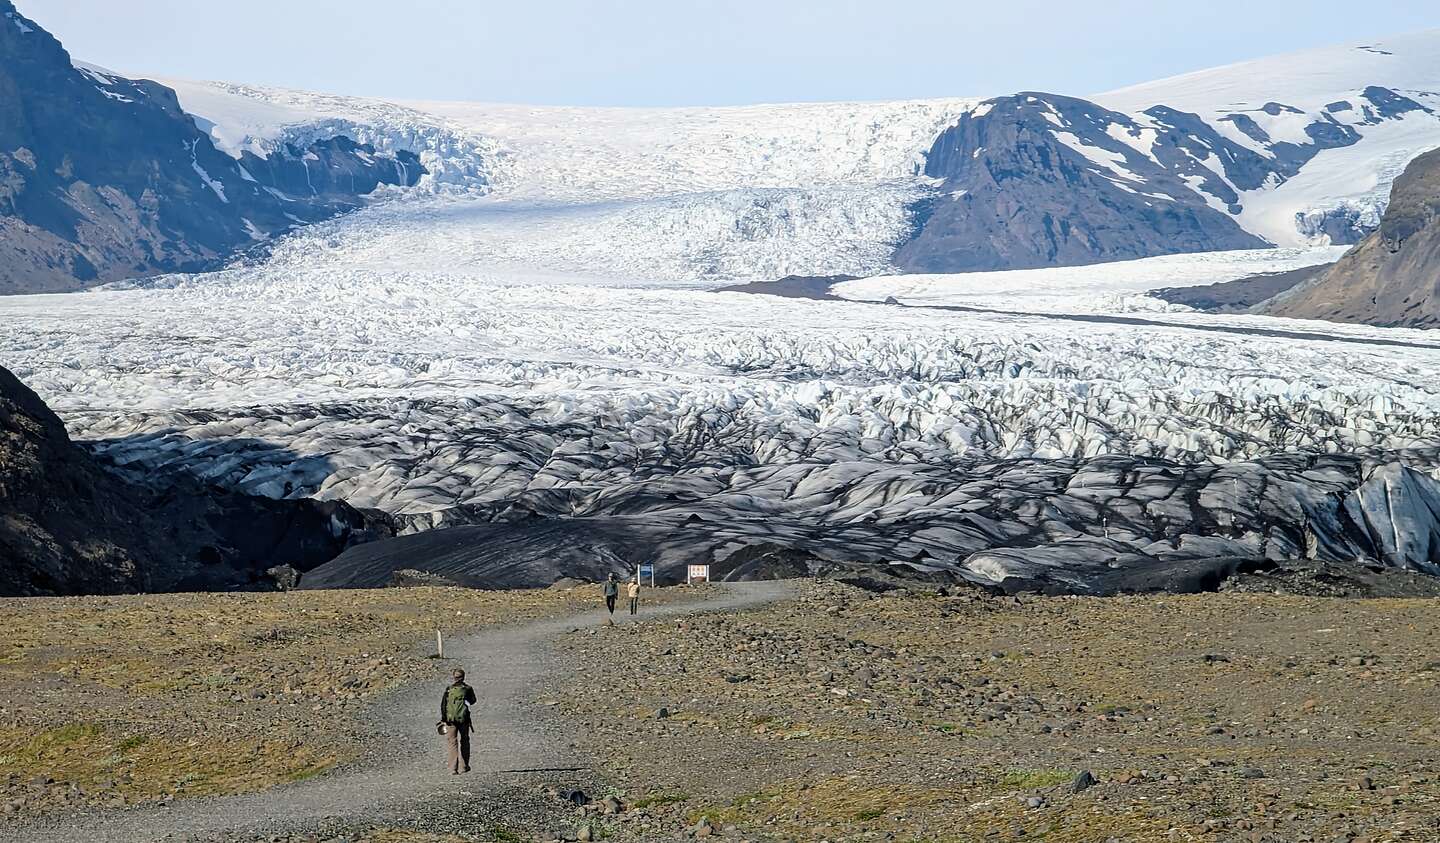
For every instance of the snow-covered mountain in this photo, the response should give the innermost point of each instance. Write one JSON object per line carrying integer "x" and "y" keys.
{"x": 1292, "y": 151}
{"x": 1384, "y": 94}
{"x": 1297, "y": 150}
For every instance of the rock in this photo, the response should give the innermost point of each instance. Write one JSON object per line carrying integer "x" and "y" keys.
{"x": 70, "y": 526}
{"x": 1251, "y": 773}
{"x": 586, "y": 832}
{"x": 1008, "y": 174}
{"x": 611, "y": 805}
{"x": 1389, "y": 279}
{"x": 577, "y": 797}
{"x": 662, "y": 713}
{"x": 285, "y": 576}
{"x": 1082, "y": 782}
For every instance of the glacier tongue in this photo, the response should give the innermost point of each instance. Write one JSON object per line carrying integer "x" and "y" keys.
{"x": 1078, "y": 455}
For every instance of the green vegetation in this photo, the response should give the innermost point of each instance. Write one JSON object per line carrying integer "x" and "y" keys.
{"x": 1034, "y": 779}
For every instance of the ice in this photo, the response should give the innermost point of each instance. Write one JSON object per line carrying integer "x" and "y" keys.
{"x": 414, "y": 382}
{"x": 1117, "y": 287}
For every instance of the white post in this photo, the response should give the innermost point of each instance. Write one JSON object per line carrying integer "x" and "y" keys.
{"x": 439, "y": 645}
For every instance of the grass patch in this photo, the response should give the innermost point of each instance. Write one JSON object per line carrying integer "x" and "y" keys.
{"x": 736, "y": 810}
{"x": 1034, "y": 779}
{"x": 660, "y": 800}
{"x": 500, "y": 834}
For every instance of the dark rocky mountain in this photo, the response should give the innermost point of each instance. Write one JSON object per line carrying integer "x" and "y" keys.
{"x": 1015, "y": 195}
{"x": 104, "y": 178}
{"x": 1039, "y": 179}
{"x": 70, "y": 526}
{"x": 1393, "y": 276}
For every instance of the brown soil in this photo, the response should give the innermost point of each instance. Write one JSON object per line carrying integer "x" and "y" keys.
{"x": 849, "y": 716}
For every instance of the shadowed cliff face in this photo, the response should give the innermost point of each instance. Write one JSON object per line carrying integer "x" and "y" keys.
{"x": 1393, "y": 276}
{"x": 69, "y": 526}
{"x": 104, "y": 178}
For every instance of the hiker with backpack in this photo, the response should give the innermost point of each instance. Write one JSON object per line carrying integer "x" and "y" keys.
{"x": 455, "y": 722}
{"x": 612, "y": 593}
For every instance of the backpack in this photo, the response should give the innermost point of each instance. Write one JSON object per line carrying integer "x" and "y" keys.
{"x": 455, "y": 709}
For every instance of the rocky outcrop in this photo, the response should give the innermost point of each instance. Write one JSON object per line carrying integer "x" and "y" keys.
{"x": 1038, "y": 179}
{"x": 1393, "y": 277}
{"x": 69, "y": 526}
{"x": 1021, "y": 190}
{"x": 104, "y": 178}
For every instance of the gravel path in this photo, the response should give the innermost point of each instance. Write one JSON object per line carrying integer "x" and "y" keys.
{"x": 401, "y": 777}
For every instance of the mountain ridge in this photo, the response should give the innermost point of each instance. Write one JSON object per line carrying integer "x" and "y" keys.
{"x": 1214, "y": 160}
{"x": 104, "y": 178}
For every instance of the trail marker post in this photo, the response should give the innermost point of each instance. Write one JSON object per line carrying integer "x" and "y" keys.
{"x": 439, "y": 645}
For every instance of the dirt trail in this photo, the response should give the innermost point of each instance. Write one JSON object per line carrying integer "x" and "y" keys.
{"x": 405, "y": 763}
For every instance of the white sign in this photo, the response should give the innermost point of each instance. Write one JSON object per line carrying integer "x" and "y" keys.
{"x": 697, "y": 573}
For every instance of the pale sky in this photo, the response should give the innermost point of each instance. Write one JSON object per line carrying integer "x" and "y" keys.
{"x": 702, "y": 52}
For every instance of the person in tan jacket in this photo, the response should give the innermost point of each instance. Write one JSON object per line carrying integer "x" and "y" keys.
{"x": 634, "y": 592}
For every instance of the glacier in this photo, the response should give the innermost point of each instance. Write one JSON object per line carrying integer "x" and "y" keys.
{"x": 450, "y": 392}
{"x": 530, "y": 344}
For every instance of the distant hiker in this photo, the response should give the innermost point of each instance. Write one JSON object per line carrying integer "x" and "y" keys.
{"x": 634, "y": 591}
{"x": 612, "y": 591}
{"x": 455, "y": 721}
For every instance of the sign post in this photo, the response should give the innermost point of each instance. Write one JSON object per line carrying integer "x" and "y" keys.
{"x": 697, "y": 573}
{"x": 647, "y": 569}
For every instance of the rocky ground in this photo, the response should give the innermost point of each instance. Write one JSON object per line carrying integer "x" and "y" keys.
{"x": 841, "y": 715}
{"x": 126, "y": 700}
{"x": 853, "y": 716}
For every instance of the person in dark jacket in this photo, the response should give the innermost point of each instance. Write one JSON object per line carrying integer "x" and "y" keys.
{"x": 612, "y": 592}
{"x": 455, "y": 721}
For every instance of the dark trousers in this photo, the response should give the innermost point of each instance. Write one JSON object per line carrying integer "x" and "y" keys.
{"x": 610, "y": 603}
{"x": 458, "y": 739}
{"x": 634, "y": 605}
